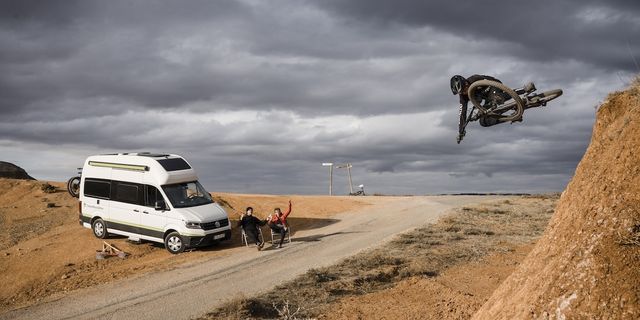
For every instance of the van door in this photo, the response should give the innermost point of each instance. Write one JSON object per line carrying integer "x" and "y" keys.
{"x": 154, "y": 221}
{"x": 126, "y": 206}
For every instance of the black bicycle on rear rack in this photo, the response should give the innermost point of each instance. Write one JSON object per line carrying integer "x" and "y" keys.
{"x": 73, "y": 184}
{"x": 493, "y": 99}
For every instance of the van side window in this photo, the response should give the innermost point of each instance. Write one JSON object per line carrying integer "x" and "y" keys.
{"x": 152, "y": 195}
{"x": 97, "y": 188}
{"x": 127, "y": 193}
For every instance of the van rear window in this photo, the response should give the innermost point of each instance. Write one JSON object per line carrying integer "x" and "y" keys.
{"x": 97, "y": 188}
{"x": 174, "y": 164}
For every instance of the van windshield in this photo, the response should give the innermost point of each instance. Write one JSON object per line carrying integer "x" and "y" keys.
{"x": 187, "y": 194}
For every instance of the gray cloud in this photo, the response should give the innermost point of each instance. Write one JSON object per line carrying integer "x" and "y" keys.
{"x": 589, "y": 31}
{"x": 257, "y": 94}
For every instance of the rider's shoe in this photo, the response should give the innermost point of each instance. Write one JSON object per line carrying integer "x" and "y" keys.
{"x": 460, "y": 136}
{"x": 529, "y": 87}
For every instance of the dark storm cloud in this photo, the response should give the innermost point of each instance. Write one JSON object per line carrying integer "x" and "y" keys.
{"x": 596, "y": 32}
{"x": 257, "y": 94}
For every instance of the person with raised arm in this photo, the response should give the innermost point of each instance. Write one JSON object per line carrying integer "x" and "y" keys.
{"x": 278, "y": 223}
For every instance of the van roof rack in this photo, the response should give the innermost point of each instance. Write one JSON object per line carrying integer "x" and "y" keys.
{"x": 153, "y": 155}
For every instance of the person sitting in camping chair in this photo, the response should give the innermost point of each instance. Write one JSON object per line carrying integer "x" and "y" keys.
{"x": 251, "y": 226}
{"x": 278, "y": 223}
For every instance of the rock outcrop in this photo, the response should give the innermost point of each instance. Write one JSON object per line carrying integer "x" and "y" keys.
{"x": 11, "y": 171}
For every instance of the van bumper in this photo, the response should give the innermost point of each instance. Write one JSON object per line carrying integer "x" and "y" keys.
{"x": 207, "y": 240}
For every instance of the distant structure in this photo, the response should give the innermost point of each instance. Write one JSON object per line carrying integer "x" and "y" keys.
{"x": 330, "y": 165}
{"x": 11, "y": 171}
{"x": 347, "y": 166}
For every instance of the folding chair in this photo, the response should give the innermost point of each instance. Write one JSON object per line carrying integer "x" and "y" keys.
{"x": 275, "y": 236}
{"x": 244, "y": 236}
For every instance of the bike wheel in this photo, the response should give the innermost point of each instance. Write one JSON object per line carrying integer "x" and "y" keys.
{"x": 543, "y": 98}
{"x": 476, "y": 96}
{"x": 73, "y": 186}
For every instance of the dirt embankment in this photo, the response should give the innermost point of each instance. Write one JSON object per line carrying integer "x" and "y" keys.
{"x": 586, "y": 266}
{"x": 45, "y": 252}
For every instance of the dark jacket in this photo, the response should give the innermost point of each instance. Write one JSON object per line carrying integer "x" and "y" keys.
{"x": 250, "y": 222}
{"x": 464, "y": 99}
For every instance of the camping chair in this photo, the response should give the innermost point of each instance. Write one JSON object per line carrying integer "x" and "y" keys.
{"x": 244, "y": 236}
{"x": 275, "y": 236}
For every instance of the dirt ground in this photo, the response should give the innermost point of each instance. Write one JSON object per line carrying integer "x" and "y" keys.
{"x": 455, "y": 294}
{"x": 445, "y": 270}
{"x": 45, "y": 252}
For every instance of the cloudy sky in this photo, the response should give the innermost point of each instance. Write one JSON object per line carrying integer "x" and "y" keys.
{"x": 257, "y": 94}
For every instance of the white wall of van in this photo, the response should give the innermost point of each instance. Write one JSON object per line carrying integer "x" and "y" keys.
{"x": 155, "y": 197}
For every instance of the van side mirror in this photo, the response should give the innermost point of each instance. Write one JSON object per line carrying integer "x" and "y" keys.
{"x": 160, "y": 205}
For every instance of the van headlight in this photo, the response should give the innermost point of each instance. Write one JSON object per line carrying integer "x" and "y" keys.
{"x": 193, "y": 225}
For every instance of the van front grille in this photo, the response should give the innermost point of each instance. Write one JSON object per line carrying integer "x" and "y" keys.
{"x": 212, "y": 225}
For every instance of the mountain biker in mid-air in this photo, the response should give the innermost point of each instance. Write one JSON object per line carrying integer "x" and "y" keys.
{"x": 459, "y": 86}
{"x": 493, "y": 102}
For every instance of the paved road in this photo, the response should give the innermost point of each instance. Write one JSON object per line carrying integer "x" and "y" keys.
{"x": 191, "y": 291}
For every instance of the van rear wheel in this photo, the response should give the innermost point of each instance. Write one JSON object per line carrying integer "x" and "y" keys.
{"x": 174, "y": 243}
{"x": 99, "y": 229}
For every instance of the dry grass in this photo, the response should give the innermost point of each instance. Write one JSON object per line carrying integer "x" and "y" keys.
{"x": 466, "y": 234}
{"x": 48, "y": 188}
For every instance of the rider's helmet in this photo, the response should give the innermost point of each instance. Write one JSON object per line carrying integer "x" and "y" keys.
{"x": 457, "y": 84}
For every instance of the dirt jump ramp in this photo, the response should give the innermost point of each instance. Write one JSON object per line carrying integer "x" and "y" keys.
{"x": 587, "y": 263}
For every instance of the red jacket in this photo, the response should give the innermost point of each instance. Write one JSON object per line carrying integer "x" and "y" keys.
{"x": 281, "y": 219}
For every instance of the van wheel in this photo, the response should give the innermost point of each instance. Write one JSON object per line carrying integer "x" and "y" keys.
{"x": 99, "y": 229}
{"x": 174, "y": 243}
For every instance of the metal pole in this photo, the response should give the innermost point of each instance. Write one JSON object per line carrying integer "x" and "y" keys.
{"x": 350, "y": 183}
{"x": 331, "y": 181}
{"x": 330, "y": 165}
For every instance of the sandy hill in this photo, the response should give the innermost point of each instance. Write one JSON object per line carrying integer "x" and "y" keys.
{"x": 587, "y": 264}
{"x": 11, "y": 171}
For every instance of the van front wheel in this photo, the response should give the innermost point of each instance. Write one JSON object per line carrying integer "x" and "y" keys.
{"x": 174, "y": 243}
{"x": 99, "y": 229}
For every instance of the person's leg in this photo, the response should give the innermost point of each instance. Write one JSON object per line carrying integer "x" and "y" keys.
{"x": 278, "y": 229}
{"x": 252, "y": 236}
{"x": 282, "y": 234}
{"x": 463, "y": 120}
{"x": 274, "y": 229}
{"x": 259, "y": 241}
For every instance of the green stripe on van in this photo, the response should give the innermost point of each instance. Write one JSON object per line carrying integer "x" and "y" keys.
{"x": 123, "y": 166}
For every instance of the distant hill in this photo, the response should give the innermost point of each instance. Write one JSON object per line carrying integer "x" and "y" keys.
{"x": 11, "y": 171}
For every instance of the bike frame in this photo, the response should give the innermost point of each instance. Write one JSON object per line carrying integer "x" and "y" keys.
{"x": 525, "y": 94}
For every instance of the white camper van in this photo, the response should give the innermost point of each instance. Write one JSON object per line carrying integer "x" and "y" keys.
{"x": 155, "y": 197}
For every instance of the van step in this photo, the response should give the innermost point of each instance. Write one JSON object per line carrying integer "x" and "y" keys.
{"x": 134, "y": 240}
